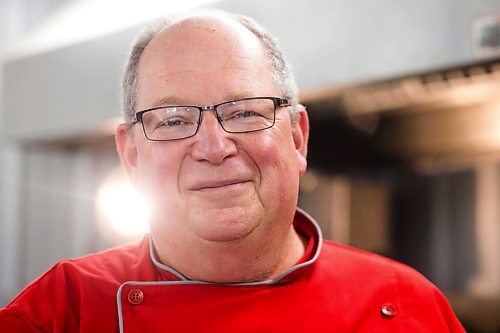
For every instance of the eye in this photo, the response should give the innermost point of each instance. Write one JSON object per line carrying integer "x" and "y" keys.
{"x": 173, "y": 122}
{"x": 245, "y": 114}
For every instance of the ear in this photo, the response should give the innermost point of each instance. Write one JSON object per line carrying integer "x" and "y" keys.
{"x": 300, "y": 132}
{"x": 127, "y": 150}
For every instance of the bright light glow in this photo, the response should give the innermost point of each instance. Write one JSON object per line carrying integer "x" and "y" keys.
{"x": 123, "y": 211}
{"x": 81, "y": 20}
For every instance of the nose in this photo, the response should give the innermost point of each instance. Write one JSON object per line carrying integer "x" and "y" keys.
{"x": 212, "y": 142}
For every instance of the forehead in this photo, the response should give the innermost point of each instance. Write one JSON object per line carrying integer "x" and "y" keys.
{"x": 208, "y": 30}
{"x": 203, "y": 53}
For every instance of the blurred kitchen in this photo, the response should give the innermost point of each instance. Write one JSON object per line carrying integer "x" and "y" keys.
{"x": 404, "y": 157}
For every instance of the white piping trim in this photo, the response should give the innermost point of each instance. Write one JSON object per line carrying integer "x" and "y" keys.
{"x": 158, "y": 264}
{"x": 120, "y": 312}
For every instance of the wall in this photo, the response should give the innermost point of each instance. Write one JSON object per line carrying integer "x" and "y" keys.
{"x": 16, "y": 17}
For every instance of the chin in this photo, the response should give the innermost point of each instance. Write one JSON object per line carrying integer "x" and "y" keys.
{"x": 227, "y": 225}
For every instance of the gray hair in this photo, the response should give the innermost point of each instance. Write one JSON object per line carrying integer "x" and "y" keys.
{"x": 281, "y": 69}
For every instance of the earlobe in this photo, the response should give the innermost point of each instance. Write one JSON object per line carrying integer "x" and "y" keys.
{"x": 300, "y": 137}
{"x": 127, "y": 150}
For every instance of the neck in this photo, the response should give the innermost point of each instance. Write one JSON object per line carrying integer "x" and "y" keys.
{"x": 231, "y": 262}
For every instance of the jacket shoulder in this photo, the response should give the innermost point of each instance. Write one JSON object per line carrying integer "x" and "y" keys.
{"x": 375, "y": 280}
{"x": 116, "y": 263}
{"x": 87, "y": 284}
{"x": 361, "y": 263}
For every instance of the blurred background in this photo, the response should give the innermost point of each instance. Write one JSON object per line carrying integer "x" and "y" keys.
{"x": 403, "y": 98}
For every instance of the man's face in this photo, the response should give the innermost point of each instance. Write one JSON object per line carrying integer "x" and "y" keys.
{"x": 215, "y": 186}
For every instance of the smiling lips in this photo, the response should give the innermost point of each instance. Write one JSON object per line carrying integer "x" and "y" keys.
{"x": 216, "y": 185}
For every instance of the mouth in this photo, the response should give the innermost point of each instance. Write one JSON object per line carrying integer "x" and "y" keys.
{"x": 218, "y": 185}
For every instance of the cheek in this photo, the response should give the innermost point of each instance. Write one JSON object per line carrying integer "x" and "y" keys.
{"x": 275, "y": 155}
{"x": 157, "y": 169}
{"x": 266, "y": 152}
{"x": 278, "y": 145}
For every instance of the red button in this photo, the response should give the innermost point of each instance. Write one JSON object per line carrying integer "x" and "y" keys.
{"x": 135, "y": 296}
{"x": 388, "y": 310}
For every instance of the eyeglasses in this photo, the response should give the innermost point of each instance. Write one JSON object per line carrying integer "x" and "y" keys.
{"x": 166, "y": 123}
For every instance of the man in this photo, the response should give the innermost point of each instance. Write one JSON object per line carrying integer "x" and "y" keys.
{"x": 215, "y": 138}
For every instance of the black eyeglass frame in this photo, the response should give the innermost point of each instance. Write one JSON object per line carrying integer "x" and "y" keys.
{"x": 278, "y": 102}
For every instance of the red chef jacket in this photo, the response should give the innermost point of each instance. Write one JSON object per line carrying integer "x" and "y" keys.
{"x": 334, "y": 288}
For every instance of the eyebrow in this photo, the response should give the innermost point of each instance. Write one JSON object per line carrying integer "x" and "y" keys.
{"x": 173, "y": 100}
{"x": 168, "y": 100}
